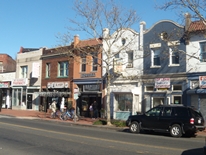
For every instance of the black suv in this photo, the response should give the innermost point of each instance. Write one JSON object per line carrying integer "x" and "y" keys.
{"x": 174, "y": 119}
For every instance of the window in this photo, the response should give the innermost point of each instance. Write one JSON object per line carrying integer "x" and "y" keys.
{"x": 130, "y": 59}
{"x": 174, "y": 57}
{"x": 83, "y": 68}
{"x": 167, "y": 111}
{"x": 123, "y": 41}
{"x": 156, "y": 57}
{"x": 95, "y": 61}
{"x": 116, "y": 55}
{"x": 164, "y": 36}
{"x": 47, "y": 70}
{"x": 63, "y": 69}
{"x": 1, "y": 67}
{"x": 154, "y": 111}
{"x": 158, "y": 101}
{"x": 177, "y": 87}
{"x": 177, "y": 99}
{"x": 149, "y": 88}
{"x": 124, "y": 102}
{"x": 203, "y": 52}
{"x": 24, "y": 70}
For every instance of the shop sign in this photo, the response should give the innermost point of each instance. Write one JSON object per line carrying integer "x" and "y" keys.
{"x": 202, "y": 81}
{"x": 162, "y": 83}
{"x": 57, "y": 85}
{"x": 87, "y": 75}
{"x": 4, "y": 84}
{"x": 35, "y": 69}
{"x": 20, "y": 82}
{"x": 91, "y": 87}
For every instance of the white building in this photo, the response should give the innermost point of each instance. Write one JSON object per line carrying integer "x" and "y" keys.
{"x": 27, "y": 80}
{"x": 123, "y": 57}
{"x": 196, "y": 63}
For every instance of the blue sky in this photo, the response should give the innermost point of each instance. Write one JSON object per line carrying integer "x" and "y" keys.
{"x": 36, "y": 23}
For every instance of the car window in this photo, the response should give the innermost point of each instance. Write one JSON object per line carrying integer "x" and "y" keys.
{"x": 167, "y": 111}
{"x": 179, "y": 111}
{"x": 196, "y": 113}
{"x": 154, "y": 111}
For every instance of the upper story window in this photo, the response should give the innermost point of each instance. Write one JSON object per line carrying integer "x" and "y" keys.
{"x": 83, "y": 66}
{"x": 48, "y": 66}
{"x": 63, "y": 69}
{"x": 174, "y": 57}
{"x": 23, "y": 70}
{"x": 123, "y": 41}
{"x": 203, "y": 52}
{"x": 1, "y": 67}
{"x": 129, "y": 59}
{"x": 95, "y": 61}
{"x": 164, "y": 36}
{"x": 155, "y": 59}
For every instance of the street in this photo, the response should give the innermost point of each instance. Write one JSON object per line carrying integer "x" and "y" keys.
{"x": 31, "y": 137}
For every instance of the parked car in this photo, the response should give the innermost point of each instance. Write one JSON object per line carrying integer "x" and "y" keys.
{"x": 174, "y": 119}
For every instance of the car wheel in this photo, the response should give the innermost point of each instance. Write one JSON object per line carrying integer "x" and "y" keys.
{"x": 134, "y": 127}
{"x": 176, "y": 131}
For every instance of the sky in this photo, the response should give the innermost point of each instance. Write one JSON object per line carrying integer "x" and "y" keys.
{"x": 37, "y": 23}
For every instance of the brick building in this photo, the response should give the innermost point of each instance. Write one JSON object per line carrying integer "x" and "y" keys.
{"x": 7, "y": 63}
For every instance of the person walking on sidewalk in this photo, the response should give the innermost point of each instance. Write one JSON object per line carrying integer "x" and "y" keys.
{"x": 53, "y": 108}
{"x": 91, "y": 110}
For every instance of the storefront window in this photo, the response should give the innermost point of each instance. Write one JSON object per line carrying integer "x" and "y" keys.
{"x": 124, "y": 102}
{"x": 158, "y": 101}
{"x": 16, "y": 97}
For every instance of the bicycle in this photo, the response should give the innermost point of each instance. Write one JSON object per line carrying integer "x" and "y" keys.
{"x": 69, "y": 114}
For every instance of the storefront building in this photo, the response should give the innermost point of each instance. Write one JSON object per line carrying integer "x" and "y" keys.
{"x": 167, "y": 90}
{"x": 197, "y": 92}
{"x": 27, "y": 80}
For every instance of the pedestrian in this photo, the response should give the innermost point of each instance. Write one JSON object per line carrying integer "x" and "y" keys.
{"x": 91, "y": 110}
{"x": 53, "y": 108}
{"x": 95, "y": 109}
{"x": 62, "y": 106}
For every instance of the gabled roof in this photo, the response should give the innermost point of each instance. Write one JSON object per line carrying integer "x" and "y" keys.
{"x": 197, "y": 26}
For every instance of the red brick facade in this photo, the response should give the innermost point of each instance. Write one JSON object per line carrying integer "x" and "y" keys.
{"x": 9, "y": 64}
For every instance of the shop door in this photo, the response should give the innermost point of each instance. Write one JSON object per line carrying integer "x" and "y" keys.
{"x": 29, "y": 101}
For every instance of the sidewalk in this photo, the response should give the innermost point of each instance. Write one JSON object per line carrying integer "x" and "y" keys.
{"x": 30, "y": 114}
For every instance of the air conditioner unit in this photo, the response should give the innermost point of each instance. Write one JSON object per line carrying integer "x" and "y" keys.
{"x": 129, "y": 65}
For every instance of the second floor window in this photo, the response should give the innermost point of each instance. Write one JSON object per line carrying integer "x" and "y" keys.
{"x": 174, "y": 57}
{"x": 203, "y": 52}
{"x": 63, "y": 69}
{"x": 95, "y": 62}
{"x": 48, "y": 69}
{"x": 83, "y": 67}
{"x": 24, "y": 70}
{"x": 156, "y": 57}
{"x": 130, "y": 59}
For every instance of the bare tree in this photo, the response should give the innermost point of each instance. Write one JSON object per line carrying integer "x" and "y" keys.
{"x": 95, "y": 16}
{"x": 195, "y": 7}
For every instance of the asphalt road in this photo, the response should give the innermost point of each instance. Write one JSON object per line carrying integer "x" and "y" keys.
{"x": 32, "y": 137}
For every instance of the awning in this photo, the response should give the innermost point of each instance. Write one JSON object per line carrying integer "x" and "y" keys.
{"x": 88, "y": 81}
{"x": 53, "y": 94}
{"x": 196, "y": 91}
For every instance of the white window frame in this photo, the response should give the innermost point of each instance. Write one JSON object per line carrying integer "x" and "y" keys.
{"x": 95, "y": 62}
{"x": 23, "y": 71}
{"x": 83, "y": 64}
{"x": 171, "y": 52}
{"x": 48, "y": 69}
{"x": 202, "y": 52}
{"x": 153, "y": 53}
{"x": 63, "y": 66}
{"x": 130, "y": 59}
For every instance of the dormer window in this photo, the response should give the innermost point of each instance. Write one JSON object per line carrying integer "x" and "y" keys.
{"x": 123, "y": 41}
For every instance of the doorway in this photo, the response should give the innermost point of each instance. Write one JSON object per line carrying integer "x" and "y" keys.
{"x": 29, "y": 101}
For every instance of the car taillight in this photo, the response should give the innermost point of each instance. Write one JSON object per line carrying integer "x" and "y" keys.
{"x": 192, "y": 121}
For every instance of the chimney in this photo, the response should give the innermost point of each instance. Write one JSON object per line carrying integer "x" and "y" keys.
{"x": 105, "y": 33}
{"x": 21, "y": 50}
{"x": 76, "y": 40}
{"x": 141, "y": 38}
{"x": 187, "y": 21}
